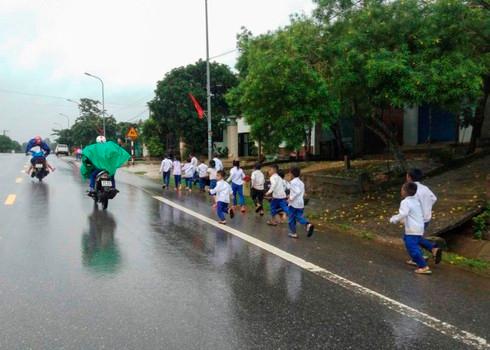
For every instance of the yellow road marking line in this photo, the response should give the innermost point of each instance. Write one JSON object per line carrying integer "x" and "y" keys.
{"x": 18, "y": 180}
{"x": 10, "y": 199}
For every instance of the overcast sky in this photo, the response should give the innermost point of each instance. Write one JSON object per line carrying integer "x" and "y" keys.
{"x": 47, "y": 45}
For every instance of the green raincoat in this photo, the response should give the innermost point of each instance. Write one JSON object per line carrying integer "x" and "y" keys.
{"x": 107, "y": 156}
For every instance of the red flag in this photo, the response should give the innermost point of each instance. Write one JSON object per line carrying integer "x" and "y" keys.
{"x": 197, "y": 106}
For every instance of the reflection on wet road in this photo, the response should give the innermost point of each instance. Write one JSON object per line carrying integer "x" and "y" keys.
{"x": 145, "y": 275}
{"x": 100, "y": 252}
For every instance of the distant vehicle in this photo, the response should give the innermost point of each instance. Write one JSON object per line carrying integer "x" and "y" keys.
{"x": 62, "y": 149}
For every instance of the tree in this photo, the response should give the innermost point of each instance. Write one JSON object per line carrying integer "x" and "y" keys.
{"x": 174, "y": 115}
{"x": 281, "y": 92}
{"x": 89, "y": 124}
{"x": 395, "y": 54}
{"x": 8, "y": 145}
{"x": 63, "y": 136}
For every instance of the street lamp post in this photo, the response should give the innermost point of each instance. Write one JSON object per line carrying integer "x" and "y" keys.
{"x": 208, "y": 87}
{"x": 67, "y": 118}
{"x": 103, "y": 103}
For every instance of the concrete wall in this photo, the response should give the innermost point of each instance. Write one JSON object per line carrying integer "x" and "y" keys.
{"x": 410, "y": 125}
{"x": 243, "y": 127}
{"x": 465, "y": 134}
{"x": 232, "y": 140}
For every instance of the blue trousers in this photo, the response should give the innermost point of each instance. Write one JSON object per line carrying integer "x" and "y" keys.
{"x": 278, "y": 203}
{"x": 177, "y": 179}
{"x": 222, "y": 210}
{"x": 166, "y": 178}
{"x": 188, "y": 182}
{"x": 412, "y": 244}
{"x": 93, "y": 177}
{"x": 202, "y": 183}
{"x": 212, "y": 184}
{"x": 296, "y": 215}
{"x": 237, "y": 191}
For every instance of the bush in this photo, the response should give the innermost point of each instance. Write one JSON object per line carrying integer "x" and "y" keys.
{"x": 481, "y": 223}
{"x": 155, "y": 147}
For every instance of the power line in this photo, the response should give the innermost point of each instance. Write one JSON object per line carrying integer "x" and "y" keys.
{"x": 137, "y": 116}
{"x": 14, "y": 92}
{"x": 223, "y": 54}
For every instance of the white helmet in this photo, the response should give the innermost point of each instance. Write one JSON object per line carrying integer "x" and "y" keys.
{"x": 101, "y": 139}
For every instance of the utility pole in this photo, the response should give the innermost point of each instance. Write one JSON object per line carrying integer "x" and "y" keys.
{"x": 208, "y": 86}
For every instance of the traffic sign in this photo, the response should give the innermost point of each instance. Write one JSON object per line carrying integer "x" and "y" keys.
{"x": 132, "y": 134}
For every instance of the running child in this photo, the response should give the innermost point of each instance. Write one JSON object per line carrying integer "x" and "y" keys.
{"x": 202, "y": 170}
{"x": 177, "y": 171}
{"x": 165, "y": 168}
{"x": 427, "y": 200}
{"x": 223, "y": 192}
{"x": 297, "y": 205}
{"x": 188, "y": 170}
{"x": 257, "y": 189}
{"x": 236, "y": 177}
{"x": 278, "y": 193}
{"x": 212, "y": 174}
{"x": 410, "y": 213}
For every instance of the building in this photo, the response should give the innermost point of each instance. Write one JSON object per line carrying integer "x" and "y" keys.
{"x": 412, "y": 125}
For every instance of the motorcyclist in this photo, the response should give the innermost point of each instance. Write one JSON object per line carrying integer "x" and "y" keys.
{"x": 102, "y": 156}
{"x": 43, "y": 152}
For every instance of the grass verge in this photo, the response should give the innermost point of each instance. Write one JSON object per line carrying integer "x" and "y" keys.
{"x": 473, "y": 264}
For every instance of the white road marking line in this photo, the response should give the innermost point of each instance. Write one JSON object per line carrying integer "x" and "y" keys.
{"x": 432, "y": 322}
{"x": 18, "y": 180}
{"x": 10, "y": 199}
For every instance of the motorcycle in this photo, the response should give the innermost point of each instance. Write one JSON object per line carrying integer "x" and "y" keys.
{"x": 103, "y": 189}
{"x": 39, "y": 170}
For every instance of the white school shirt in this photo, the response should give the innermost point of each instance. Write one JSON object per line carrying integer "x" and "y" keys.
{"x": 218, "y": 165}
{"x": 194, "y": 162}
{"x": 277, "y": 187}
{"x": 236, "y": 176}
{"x": 258, "y": 180}
{"x": 296, "y": 196}
{"x": 188, "y": 170}
{"x": 427, "y": 199}
{"x": 166, "y": 165}
{"x": 222, "y": 191}
{"x": 212, "y": 173}
{"x": 177, "y": 168}
{"x": 203, "y": 170}
{"x": 411, "y": 213}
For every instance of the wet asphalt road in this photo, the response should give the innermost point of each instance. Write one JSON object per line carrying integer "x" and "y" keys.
{"x": 144, "y": 275}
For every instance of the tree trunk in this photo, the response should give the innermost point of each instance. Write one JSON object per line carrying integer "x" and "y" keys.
{"x": 479, "y": 117}
{"x": 358, "y": 132}
{"x": 376, "y": 125}
{"x": 337, "y": 133}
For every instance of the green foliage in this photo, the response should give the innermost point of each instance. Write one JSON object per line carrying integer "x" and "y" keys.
{"x": 151, "y": 137}
{"x": 385, "y": 54}
{"x": 481, "y": 223}
{"x": 8, "y": 145}
{"x": 173, "y": 113}
{"x": 281, "y": 93}
{"x": 63, "y": 136}
{"x": 90, "y": 124}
